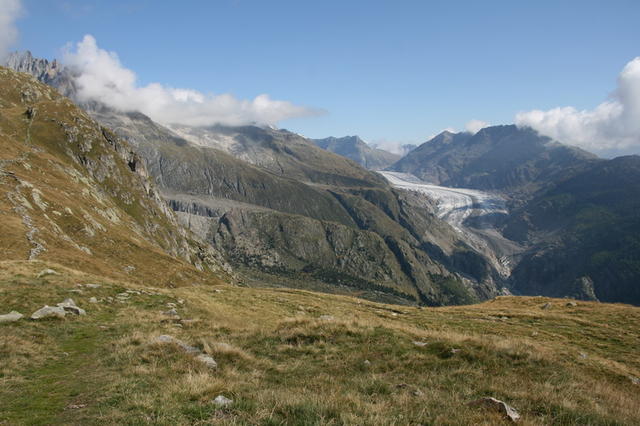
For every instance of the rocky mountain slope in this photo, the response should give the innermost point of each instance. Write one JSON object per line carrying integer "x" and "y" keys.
{"x": 359, "y": 151}
{"x": 514, "y": 160}
{"x": 349, "y": 217}
{"x": 76, "y": 194}
{"x": 271, "y": 186}
{"x": 573, "y": 216}
{"x": 585, "y": 235}
{"x": 154, "y": 335}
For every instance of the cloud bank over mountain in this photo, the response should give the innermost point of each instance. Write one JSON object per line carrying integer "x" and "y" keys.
{"x": 474, "y": 126}
{"x": 613, "y": 127}
{"x": 10, "y": 10}
{"x": 102, "y": 77}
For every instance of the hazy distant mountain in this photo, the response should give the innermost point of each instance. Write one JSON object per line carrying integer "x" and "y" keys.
{"x": 508, "y": 158}
{"x": 407, "y": 148}
{"x": 359, "y": 151}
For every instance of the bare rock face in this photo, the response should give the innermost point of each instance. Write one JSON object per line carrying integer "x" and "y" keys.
{"x": 495, "y": 404}
{"x": 12, "y": 316}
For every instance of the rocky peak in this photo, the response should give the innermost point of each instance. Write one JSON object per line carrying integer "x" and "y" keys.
{"x": 52, "y": 72}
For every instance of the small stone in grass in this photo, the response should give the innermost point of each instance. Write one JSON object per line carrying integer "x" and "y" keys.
{"x": 489, "y": 402}
{"x": 46, "y": 272}
{"x": 222, "y": 401}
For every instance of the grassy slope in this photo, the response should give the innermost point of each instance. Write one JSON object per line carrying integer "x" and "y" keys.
{"x": 100, "y": 221}
{"x": 286, "y": 365}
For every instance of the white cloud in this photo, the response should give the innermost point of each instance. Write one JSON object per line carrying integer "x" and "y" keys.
{"x": 611, "y": 127}
{"x": 102, "y": 77}
{"x": 10, "y": 10}
{"x": 474, "y": 126}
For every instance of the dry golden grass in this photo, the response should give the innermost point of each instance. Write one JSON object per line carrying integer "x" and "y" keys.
{"x": 296, "y": 357}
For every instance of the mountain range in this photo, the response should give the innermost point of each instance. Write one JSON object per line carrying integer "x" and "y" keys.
{"x": 285, "y": 210}
{"x": 575, "y": 215}
{"x": 155, "y": 315}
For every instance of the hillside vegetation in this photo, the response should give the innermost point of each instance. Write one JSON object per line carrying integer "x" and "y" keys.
{"x": 288, "y": 357}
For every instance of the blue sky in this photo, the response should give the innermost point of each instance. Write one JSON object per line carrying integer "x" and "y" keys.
{"x": 395, "y": 71}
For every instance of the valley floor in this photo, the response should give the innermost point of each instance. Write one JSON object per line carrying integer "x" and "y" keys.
{"x": 296, "y": 357}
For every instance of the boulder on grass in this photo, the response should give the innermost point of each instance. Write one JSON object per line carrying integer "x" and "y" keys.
{"x": 48, "y": 312}
{"x": 70, "y": 306}
{"x": 12, "y": 316}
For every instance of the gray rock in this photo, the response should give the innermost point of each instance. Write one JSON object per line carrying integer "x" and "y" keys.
{"x": 417, "y": 392}
{"x": 48, "y": 312}
{"x": 70, "y": 306}
{"x": 166, "y": 339}
{"x": 326, "y": 318}
{"x": 546, "y": 306}
{"x": 420, "y": 344}
{"x": 171, "y": 312}
{"x": 571, "y": 304}
{"x": 492, "y": 403}
{"x": 367, "y": 362}
{"x": 46, "y": 272}
{"x": 75, "y": 406}
{"x": 12, "y": 316}
{"x": 93, "y": 285}
{"x": 207, "y": 360}
{"x": 199, "y": 356}
{"x": 93, "y": 300}
{"x": 634, "y": 380}
{"x": 221, "y": 401}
